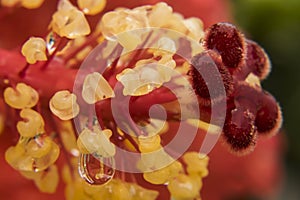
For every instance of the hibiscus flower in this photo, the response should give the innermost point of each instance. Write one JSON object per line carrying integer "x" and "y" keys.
{"x": 53, "y": 113}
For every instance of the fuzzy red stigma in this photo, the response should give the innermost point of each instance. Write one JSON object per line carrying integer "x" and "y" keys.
{"x": 228, "y": 41}
{"x": 257, "y": 60}
{"x": 239, "y": 130}
{"x": 205, "y": 64}
{"x": 268, "y": 117}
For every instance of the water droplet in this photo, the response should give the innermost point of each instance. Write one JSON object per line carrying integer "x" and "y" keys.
{"x": 96, "y": 171}
{"x": 51, "y": 42}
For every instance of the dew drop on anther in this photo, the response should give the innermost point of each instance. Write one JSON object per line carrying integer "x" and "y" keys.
{"x": 96, "y": 171}
{"x": 51, "y": 42}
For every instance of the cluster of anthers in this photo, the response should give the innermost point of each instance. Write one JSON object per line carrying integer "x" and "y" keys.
{"x": 46, "y": 127}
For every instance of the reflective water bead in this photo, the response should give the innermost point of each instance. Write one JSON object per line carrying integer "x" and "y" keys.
{"x": 51, "y": 42}
{"x": 94, "y": 171}
{"x": 22, "y": 96}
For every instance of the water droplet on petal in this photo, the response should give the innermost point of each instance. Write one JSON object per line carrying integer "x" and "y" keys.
{"x": 51, "y": 42}
{"x": 96, "y": 171}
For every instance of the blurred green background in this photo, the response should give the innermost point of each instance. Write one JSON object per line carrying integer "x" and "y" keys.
{"x": 275, "y": 25}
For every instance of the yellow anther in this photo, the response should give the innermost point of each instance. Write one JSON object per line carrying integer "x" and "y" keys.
{"x": 96, "y": 141}
{"x": 31, "y": 4}
{"x": 149, "y": 144}
{"x": 48, "y": 180}
{"x": 96, "y": 88}
{"x": 63, "y": 104}
{"x": 74, "y": 191}
{"x": 159, "y": 14}
{"x": 253, "y": 80}
{"x": 97, "y": 192}
{"x": 184, "y": 187}
{"x": 121, "y": 191}
{"x": 32, "y": 125}
{"x": 18, "y": 157}
{"x": 144, "y": 78}
{"x": 91, "y": 7}
{"x": 69, "y": 22}
{"x": 175, "y": 168}
{"x": 81, "y": 145}
{"x": 31, "y": 175}
{"x": 165, "y": 46}
{"x": 196, "y": 163}
{"x": 39, "y": 147}
{"x": 142, "y": 193}
{"x": 195, "y": 27}
{"x": 10, "y": 3}
{"x": 129, "y": 40}
{"x": 154, "y": 160}
{"x": 34, "y": 50}
{"x": 83, "y": 53}
{"x": 68, "y": 137}
{"x": 23, "y": 96}
{"x": 2, "y": 125}
{"x": 155, "y": 126}
{"x": 115, "y": 22}
{"x": 163, "y": 175}
{"x": 47, "y": 160}
{"x": 16, "y": 154}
